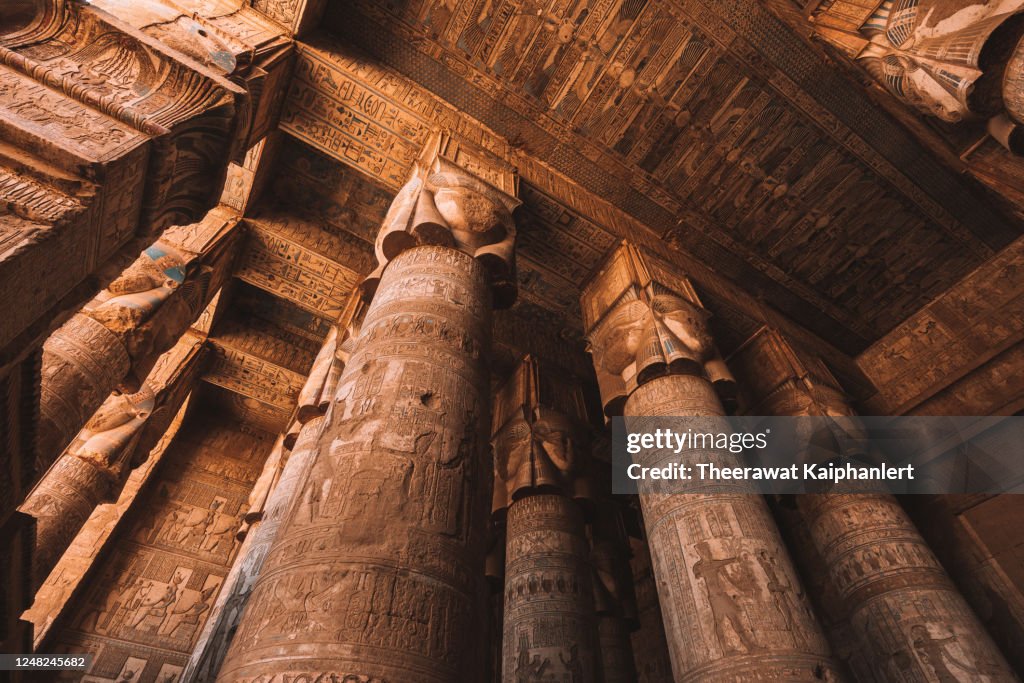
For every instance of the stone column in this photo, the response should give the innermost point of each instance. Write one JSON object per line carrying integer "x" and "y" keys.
{"x": 116, "y": 338}
{"x": 87, "y": 474}
{"x": 549, "y": 629}
{"x": 378, "y": 571}
{"x": 273, "y": 496}
{"x": 731, "y": 601}
{"x": 93, "y": 469}
{"x": 614, "y": 598}
{"x": 290, "y": 470}
{"x": 906, "y": 618}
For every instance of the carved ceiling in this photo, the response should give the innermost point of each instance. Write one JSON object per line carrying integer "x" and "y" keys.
{"x": 259, "y": 354}
{"x": 716, "y": 138}
{"x": 710, "y": 124}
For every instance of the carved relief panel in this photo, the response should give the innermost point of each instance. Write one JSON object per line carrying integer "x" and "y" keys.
{"x": 143, "y": 612}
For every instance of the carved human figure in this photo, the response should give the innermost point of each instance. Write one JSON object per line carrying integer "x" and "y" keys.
{"x": 722, "y": 596}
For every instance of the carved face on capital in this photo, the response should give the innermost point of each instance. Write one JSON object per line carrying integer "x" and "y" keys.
{"x": 686, "y": 322}
{"x": 665, "y": 335}
{"x": 440, "y": 210}
{"x": 469, "y": 212}
{"x": 536, "y": 451}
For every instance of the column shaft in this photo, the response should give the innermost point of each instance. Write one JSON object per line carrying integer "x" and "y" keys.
{"x": 650, "y": 646}
{"x": 83, "y": 362}
{"x": 378, "y": 570}
{"x": 93, "y": 469}
{"x": 550, "y": 629}
{"x": 731, "y": 602}
{"x": 730, "y": 599}
{"x": 885, "y": 588}
{"x": 212, "y": 646}
{"x": 614, "y": 595}
{"x": 617, "y": 664}
{"x": 61, "y": 504}
{"x": 116, "y": 338}
{"x": 904, "y": 611}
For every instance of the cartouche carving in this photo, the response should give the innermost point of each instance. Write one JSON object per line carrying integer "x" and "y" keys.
{"x": 445, "y": 204}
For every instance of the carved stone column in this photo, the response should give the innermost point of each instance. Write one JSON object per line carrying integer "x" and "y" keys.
{"x": 87, "y": 474}
{"x": 378, "y": 571}
{"x": 906, "y": 617}
{"x": 614, "y": 598}
{"x": 220, "y": 628}
{"x": 273, "y": 496}
{"x": 549, "y": 625}
{"x": 93, "y": 469}
{"x": 117, "y": 337}
{"x": 731, "y": 601}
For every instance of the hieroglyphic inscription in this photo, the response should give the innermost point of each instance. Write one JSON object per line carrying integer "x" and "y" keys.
{"x": 549, "y": 624}
{"x": 903, "y": 608}
{"x": 980, "y": 316}
{"x": 300, "y": 261}
{"x": 725, "y": 583}
{"x": 886, "y": 591}
{"x": 726, "y": 586}
{"x": 365, "y": 115}
{"x": 252, "y": 376}
{"x": 732, "y": 139}
{"x": 47, "y": 115}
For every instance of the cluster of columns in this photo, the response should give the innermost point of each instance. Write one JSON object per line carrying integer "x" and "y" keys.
{"x": 375, "y": 571}
{"x": 730, "y": 597}
{"x": 94, "y": 467}
{"x": 114, "y": 341}
{"x": 284, "y": 472}
{"x": 114, "y": 376}
{"x": 365, "y": 543}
